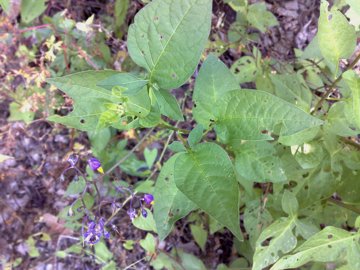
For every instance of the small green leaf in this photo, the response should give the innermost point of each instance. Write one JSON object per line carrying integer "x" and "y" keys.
{"x": 129, "y": 244}
{"x": 244, "y": 69}
{"x": 200, "y": 235}
{"x": 130, "y": 82}
{"x": 170, "y": 203}
{"x": 213, "y": 81}
{"x": 145, "y": 224}
{"x": 289, "y": 203}
{"x": 168, "y": 37}
{"x": 282, "y": 241}
{"x": 195, "y": 135}
{"x": 353, "y": 81}
{"x": 31, "y": 9}
{"x": 76, "y": 186}
{"x": 329, "y": 245}
{"x": 260, "y": 18}
{"x": 255, "y": 115}
{"x": 349, "y": 187}
{"x": 336, "y": 37}
{"x": 120, "y": 11}
{"x": 190, "y": 262}
{"x": 32, "y": 249}
{"x": 149, "y": 243}
{"x": 177, "y": 147}
{"x": 168, "y": 105}
{"x": 150, "y": 156}
{"x": 5, "y": 5}
{"x": 103, "y": 254}
{"x": 206, "y": 176}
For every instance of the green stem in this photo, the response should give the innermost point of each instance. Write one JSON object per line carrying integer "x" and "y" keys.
{"x": 343, "y": 205}
{"x": 174, "y": 128}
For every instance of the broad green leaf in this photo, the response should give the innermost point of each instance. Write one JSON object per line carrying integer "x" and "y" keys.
{"x": 329, "y": 245}
{"x": 168, "y": 105}
{"x": 103, "y": 254}
{"x": 31, "y": 9}
{"x": 244, "y": 69}
{"x": 260, "y": 18}
{"x": 289, "y": 203}
{"x": 305, "y": 228}
{"x": 353, "y": 81}
{"x": 200, "y": 235}
{"x": 257, "y": 161}
{"x": 255, "y": 115}
{"x": 145, "y": 224}
{"x": 99, "y": 139}
{"x": 282, "y": 241}
{"x": 171, "y": 204}
{"x": 195, "y": 135}
{"x": 130, "y": 82}
{"x": 92, "y": 102}
{"x": 206, "y": 176}
{"x": 168, "y": 37}
{"x": 301, "y": 137}
{"x": 349, "y": 187}
{"x": 308, "y": 155}
{"x": 293, "y": 89}
{"x": 256, "y": 219}
{"x": 213, "y": 81}
{"x": 76, "y": 186}
{"x": 190, "y": 262}
{"x": 336, "y": 37}
{"x": 337, "y": 122}
{"x": 177, "y": 147}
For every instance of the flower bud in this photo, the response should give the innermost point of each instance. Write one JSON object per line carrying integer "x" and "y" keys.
{"x": 95, "y": 165}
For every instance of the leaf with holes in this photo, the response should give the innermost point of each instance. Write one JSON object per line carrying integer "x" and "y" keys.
{"x": 258, "y": 162}
{"x": 168, "y": 37}
{"x": 245, "y": 69}
{"x": 282, "y": 240}
{"x": 336, "y": 37}
{"x": 206, "y": 176}
{"x": 213, "y": 81}
{"x": 171, "y": 204}
{"x": 329, "y": 245}
{"x": 255, "y": 115}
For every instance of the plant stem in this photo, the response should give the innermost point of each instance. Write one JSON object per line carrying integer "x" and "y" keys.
{"x": 130, "y": 152}
{"x": 118, "y": 210}
{"x": 174, "y": 128}
{"x": 334, "y": 83}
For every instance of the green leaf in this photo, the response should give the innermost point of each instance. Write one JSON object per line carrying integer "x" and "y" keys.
{"x": 76, "y": 187}
{"x": 213, "y": 81}
{"x": 168, "y": 105}
{"x": 149, "y": 243}
{"x": 120, "y": 11}
{"x": 354, "y": 13}
{"x": 349, "y": 187}
{"x": 129, "y": 244}
{"x": 254, "y": 115}
{"x": 130, "y": 82}
{"x": 257, "y": 161}
{"x": 145, "y": 224}
{"x": 177, "y": 147}
{"x": 309, "y": 155}
{"x": 329, "y": 245}
{"x": 206, "y": 176}
{"x": 260, "y": 18}
{"x": 244, "y": 69}
{"x": 200, "y": 235}
{"x": 190, "y": 262}
{"x": 289, "y": 203}
{"x": 150, "y": 156}
{"x": 31, "y": 9}
{"x": 301, "y": 137}
{"x": 353, "y": 81}
{"x": 103, "y": 254}
{"x": 168, "y": 37}
{"x": 293, "y": 89}
{"x": 170, "y": 203}
{"x": 195, "y": 135}
{"x": 336, "y": 37}
{"x": 5, "y": 5}
{"x": 338, "y": 122}
{"x": 31, "y": 248}
{"x": 282, "y": 241}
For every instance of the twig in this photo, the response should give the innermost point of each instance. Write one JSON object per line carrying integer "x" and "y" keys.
{"x": 134, "y": 263}
{"x": 332, "y": 86}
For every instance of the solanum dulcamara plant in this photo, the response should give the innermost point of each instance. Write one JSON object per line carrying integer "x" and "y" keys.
{"x": 281, "y": 170}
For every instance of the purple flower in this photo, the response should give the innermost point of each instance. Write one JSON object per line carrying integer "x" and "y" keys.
{"x": 95, "y": 231}
{"x": 148, "y": 199}
{"x": 73, "y": 159}
{"x": 95, "y": 165}
{"x": 132, "y": 213}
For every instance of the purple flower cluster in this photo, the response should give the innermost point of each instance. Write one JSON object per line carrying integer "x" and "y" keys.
{"x": 95, "y": 231}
